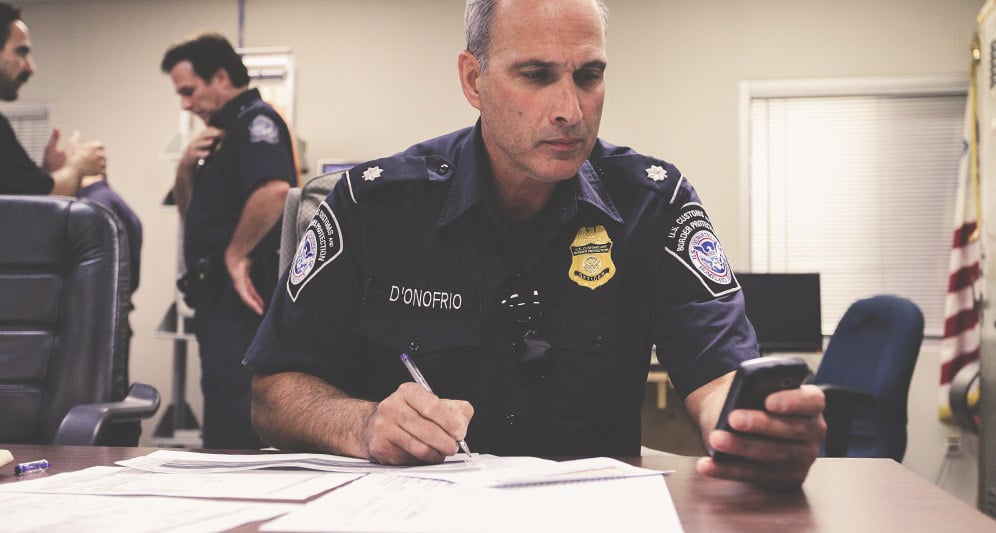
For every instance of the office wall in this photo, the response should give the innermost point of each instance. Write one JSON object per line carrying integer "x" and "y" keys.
{"x": 376, "y": 75}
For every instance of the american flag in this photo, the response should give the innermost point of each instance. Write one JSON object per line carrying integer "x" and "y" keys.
{"x": 962, "y": 332}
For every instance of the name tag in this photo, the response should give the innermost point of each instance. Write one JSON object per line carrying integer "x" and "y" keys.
{"x": 400, "y": 294}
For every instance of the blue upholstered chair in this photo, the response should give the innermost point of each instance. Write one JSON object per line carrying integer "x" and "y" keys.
{"x": 865, "y": 373}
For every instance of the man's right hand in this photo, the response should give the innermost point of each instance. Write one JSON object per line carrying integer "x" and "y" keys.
{"x": 414, "y": 426}
{"x": 201, "y": 146}
{"x": 87, "y": 158}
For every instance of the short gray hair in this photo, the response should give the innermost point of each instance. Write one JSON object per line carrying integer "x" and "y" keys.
{"x": 479, "y": 20}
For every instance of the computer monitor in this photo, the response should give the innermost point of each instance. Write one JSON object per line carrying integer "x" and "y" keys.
{"x": 328, "y": 166}
{"x": 785, "y": 310}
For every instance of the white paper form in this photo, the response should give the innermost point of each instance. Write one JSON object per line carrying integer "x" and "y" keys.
{"x": 386, "y": 504}
{"x": 29, "y": 512}
{"x": 172, "y": 461}
{"x": 293, "y": 485}
{"x": 515, "y": 471}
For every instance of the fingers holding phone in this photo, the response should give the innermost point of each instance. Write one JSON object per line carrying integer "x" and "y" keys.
{"x": 770, "y": 426}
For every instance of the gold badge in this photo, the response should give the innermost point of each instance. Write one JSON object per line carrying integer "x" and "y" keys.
{"x": 591, "y": 261}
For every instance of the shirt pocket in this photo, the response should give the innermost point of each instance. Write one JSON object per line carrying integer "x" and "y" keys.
{"x": 444, "y": 345}
{"x": 599, "y": 360}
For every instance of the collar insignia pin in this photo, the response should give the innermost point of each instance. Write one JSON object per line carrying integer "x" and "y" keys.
{"x": 372, "y": 173}
{"x": 657, "y": 173}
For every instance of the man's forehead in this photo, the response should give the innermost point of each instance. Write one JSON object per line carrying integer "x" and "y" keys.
{"x": 568, "y": 33}
{"x": 18, "y": 37}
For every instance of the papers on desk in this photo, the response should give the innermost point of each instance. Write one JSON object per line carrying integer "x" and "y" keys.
{"x": 173, "y": 461}
{"x": 297, "y": 485}
{"x": 492, "y": 494}
{"x": 389, "y": 503}
{"x": 485, "y": 471}
{"x": 33, "y": 512}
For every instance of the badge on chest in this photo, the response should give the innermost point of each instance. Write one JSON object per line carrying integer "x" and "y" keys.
{"x": 591, "y": 257}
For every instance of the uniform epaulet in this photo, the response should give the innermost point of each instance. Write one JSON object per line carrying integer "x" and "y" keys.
{"x": 642, "y": 171}
{"x": 364, "y": 179}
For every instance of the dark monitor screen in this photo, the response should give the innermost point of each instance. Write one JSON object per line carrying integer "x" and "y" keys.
{"x": 785, "y": 310}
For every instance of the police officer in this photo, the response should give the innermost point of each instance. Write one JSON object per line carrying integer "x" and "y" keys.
{"x": 527, "y": 267}
{"x": 230, "y": 188}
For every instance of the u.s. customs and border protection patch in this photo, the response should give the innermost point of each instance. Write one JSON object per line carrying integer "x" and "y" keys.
{"x": 591, "y": 257}
{"x": 321, "y": 243}
{"x": 692, "y": 240}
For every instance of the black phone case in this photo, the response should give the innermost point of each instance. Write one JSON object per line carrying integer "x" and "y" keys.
{"x": 754, "y": 381}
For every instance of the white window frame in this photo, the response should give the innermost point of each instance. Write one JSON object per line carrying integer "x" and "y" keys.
{"x": 940, "y": 85}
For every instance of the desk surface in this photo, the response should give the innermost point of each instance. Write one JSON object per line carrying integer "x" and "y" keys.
{"x": 847, "y": 495}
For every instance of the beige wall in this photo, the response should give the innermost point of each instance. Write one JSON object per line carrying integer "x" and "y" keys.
{"x": 376, "y": 75}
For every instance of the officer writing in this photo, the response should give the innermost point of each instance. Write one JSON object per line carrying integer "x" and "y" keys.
{"x": 231, "y": 184}
{"x": 571, "y": 256}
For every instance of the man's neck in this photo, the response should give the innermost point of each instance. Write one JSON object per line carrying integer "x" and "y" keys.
{"x": 521, "y": 200}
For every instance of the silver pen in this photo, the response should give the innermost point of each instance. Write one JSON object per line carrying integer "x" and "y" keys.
{"x": 420, "y": 379}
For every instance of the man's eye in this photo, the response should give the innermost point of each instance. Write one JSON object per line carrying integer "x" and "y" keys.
{"x": 537, "y": 75}
{"x": 587, "y": 78}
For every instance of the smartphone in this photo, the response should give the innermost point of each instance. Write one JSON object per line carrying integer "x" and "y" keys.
{"x": 753, "y": 382}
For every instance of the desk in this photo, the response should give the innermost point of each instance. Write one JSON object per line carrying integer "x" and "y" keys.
{"x": 846, "y": 495}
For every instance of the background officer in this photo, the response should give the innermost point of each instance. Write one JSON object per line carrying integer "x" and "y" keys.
{"x": 231, "y": 185}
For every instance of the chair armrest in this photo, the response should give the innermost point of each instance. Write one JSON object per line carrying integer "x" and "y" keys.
{"x": 840, "y": 404}
{"x": 83, "y": 423}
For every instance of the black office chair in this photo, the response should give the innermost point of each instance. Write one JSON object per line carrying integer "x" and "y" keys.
{"x": 64, "y": 299}
{"x": 865, "y": 373}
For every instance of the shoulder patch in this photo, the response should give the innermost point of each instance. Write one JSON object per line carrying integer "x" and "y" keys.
{"x": 692, "y": 240}
{"x": 320, "y": 245}
{"x": 264, "y": 129}
{"x": 364, "y": 179}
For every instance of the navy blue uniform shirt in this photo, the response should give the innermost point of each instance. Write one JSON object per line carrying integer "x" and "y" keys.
{"x": 407, "y": 254}
{"x": 255, "y": 149}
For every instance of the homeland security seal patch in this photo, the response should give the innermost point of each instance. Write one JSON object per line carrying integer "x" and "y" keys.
{"x": 591, "y": 261}
{"x": 692, "y": 240}
{"x": 322, "y": 243}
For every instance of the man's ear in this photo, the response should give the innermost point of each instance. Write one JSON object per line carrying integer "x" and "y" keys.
{"x": 470, "y": 77}
{"x": 220, "y": 78}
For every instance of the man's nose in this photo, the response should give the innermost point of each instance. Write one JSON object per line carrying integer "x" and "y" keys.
{"x": 567, "y": 105}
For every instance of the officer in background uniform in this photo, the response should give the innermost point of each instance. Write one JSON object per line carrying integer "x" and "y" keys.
{"x": 527, "y": 267}
{"x": 231, "y": 184}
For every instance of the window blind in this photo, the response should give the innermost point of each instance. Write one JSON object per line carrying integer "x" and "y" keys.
{"x": 31, "y": 125}
{"x": 857, "y": 187}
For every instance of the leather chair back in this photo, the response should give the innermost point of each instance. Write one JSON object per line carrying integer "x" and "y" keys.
{"x": 64, "y": 299}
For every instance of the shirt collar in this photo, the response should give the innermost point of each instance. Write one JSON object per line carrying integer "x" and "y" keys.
{"x": 469, "y": 184}
{"x": 233, "y": 108}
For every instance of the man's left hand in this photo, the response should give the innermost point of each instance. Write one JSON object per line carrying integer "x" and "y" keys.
{"x": 239, "y": 268}
{"x": 775, "y": 448}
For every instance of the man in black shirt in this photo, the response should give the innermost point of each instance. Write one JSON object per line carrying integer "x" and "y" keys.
{"x": 63, "y": 167}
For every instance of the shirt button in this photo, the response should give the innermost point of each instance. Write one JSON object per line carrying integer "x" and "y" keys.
{"x": 510, "y": 420}
{"x": 414, "y": 346}
{"x": 598, "y": 342}
{"x": 443, "y": 169}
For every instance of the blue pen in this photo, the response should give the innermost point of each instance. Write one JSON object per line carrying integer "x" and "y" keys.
{"x": 420, "y": 379}
{"x": 40, "y": 465}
